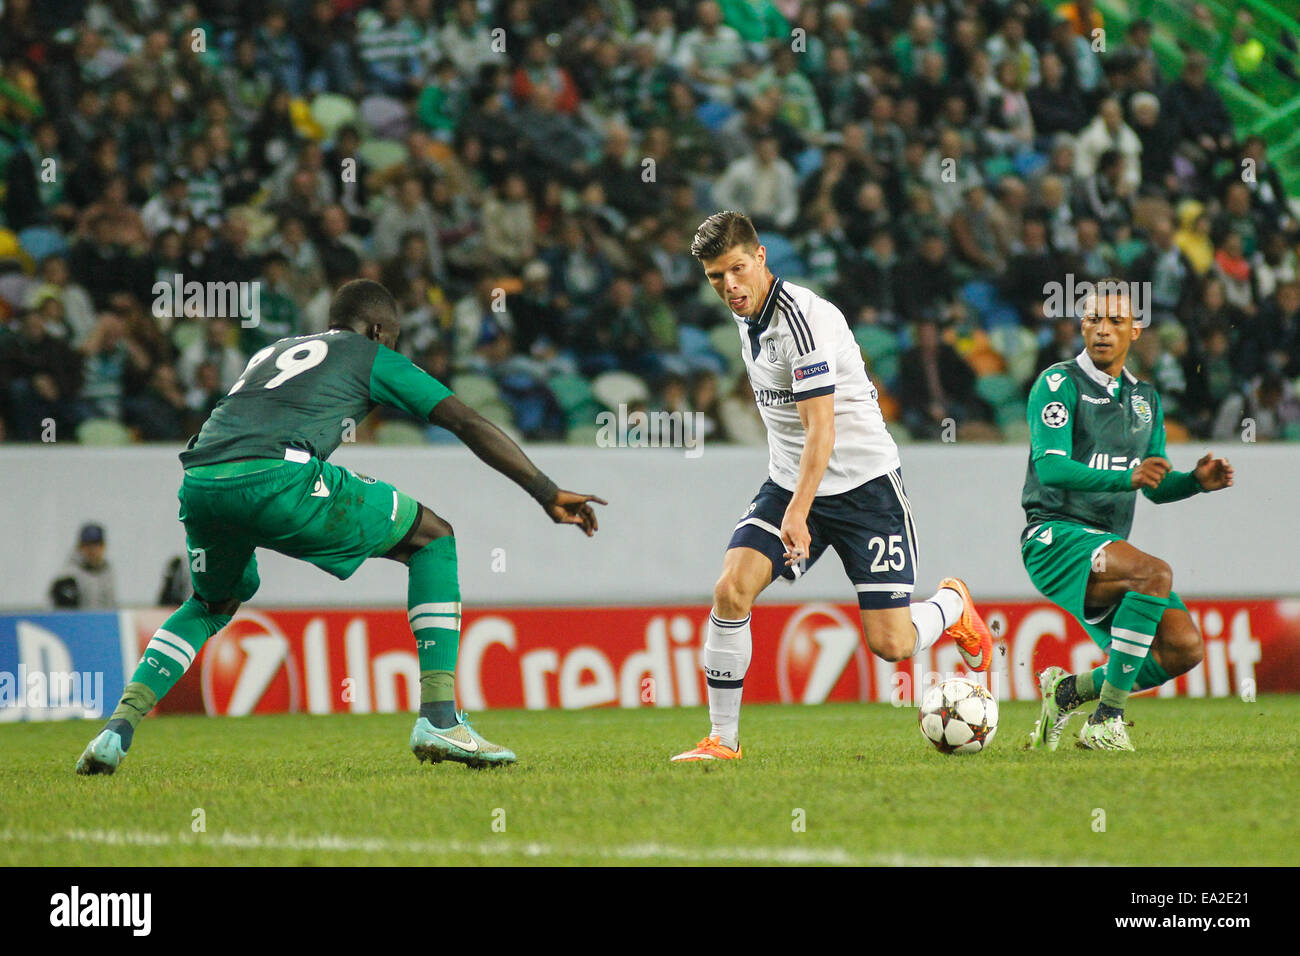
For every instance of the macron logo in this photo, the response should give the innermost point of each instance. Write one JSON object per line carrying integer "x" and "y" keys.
{"x": 808, "y": 371}
{"x": 102, "y": 909}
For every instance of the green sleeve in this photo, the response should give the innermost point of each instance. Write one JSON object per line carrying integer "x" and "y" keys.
{"x": 1157, "y": 447}
{"x": 1070, "y": 475}
{"x": 1051, "y": 416}
{"x": 1176, "y": 486}
{"x": 397, "y": 383}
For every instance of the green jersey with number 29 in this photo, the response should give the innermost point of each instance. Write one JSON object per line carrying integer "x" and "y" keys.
{"x": 305, "y": 392}
{"x": 1077, "y": 410}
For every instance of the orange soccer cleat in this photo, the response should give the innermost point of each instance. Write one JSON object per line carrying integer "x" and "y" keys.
{"x": 970, "y": 632}
{"x": 710, "y": 748}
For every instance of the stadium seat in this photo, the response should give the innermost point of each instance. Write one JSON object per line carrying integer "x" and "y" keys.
{"x": 385, "y": 117}
{"x": 332, "y": 111}
{"x": 714, "y": 115}
{"x": 399, "y": 433}
{"x": 782, "y": 258}
{"x": 571, "y": 391}
{"x": 613, "y": 389}
{"x": 499, "y": 414}
{"x": 382, "y": 154}
{"x": 475, "y": 390}
{"x": 1019, "y": 348}
{"x": 1001, "y": 315}
{"x": 1015, "y": 431}
{"x": 103, "y": 431}
{"x": 880, "y": 350}
{"x": 692, "y": 339}
{"x": 42, "y": 241}
{"x": 583, "y": 435}
{"x": 302, "y": 120}
{"x": 997, "y": 389}
{"x": 1010, "y": 410}
{"x": 726, "y": 343}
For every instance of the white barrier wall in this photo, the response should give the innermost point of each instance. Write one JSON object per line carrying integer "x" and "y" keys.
{"x": 661, "y": 538}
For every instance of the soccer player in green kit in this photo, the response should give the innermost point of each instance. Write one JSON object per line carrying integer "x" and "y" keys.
{"x": 1097, "y": 435}
{"x": 256, "y": 476}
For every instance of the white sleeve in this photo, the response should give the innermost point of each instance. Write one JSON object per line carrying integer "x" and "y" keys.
{"x": 812, "y": 341}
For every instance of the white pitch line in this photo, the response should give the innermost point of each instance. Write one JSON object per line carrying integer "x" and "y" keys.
{"x": 333, "y": 843}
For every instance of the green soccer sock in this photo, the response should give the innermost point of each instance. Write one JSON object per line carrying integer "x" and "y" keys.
{"x": 1151, "y": 675}
{"x": 433, "y": 609}
{"x": 169, "y": 654}
{"x": 1132, "y": 631}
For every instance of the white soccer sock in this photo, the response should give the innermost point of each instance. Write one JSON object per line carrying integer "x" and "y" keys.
{"x": 727, "y": 651}
{"x": 931, "y": 618}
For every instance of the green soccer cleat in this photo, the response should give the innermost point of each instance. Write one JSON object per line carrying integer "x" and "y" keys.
{"x": 460, "y": 743}
{"x": 1053, "y": 717}
{"x": 1109, "y": 734}
{"x": 102, "y": 755}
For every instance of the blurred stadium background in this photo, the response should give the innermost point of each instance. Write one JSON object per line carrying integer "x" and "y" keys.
{"x": 526, "y": 178}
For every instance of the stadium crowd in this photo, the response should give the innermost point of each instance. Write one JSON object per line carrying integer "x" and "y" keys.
{"x": 526, "y": 178}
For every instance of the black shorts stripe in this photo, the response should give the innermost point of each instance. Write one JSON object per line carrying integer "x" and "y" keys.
{"x": 724, "y": 684}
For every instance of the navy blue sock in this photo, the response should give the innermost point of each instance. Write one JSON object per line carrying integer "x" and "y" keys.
{"x": 123, "y": 729}
{"x": 1105, "y": 712}
{"x": 440, "y": 713}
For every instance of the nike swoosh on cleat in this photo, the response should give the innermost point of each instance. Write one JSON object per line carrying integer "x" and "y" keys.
{"x": 470, "y": 747}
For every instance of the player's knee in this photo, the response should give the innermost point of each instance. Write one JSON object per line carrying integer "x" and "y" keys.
{"x": 1155, "y": 578}
{"x": 431, "y": 528}
{"x": 226, "y": 608}
{"x": 1185, "y": 650}
{"x": 891, "y": 643}
{"x": 730, "y": 599}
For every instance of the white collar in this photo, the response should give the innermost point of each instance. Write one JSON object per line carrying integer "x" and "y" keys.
{"x": 1090, "y": 369}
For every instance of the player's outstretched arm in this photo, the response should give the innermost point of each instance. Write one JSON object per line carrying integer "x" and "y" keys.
{"x": 496, "y": 448}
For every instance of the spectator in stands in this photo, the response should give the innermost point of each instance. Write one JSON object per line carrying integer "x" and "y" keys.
{"x": 86, "y": 581}
{"x": 937, "y": 387}
{"x": 763, "y": 185}
{"x": 1165, "y": 267}
{"x": 1198, "y": 115}
{"x": 1055, "y": 104}
{"x": 1263, "y": 411}
{"x": 212, "y": 347}
{"x": 43, "y": 377}
{"x": 1106, "y": 133}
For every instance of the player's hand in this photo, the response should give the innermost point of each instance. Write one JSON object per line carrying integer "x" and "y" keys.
{"x": 1151, "y": 472}
{"x": 1213, "y": 473}
{"x": 798, "y": 541}
{"x": 572, "y": 508}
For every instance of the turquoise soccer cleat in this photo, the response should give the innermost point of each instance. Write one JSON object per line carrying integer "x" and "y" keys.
{"x": 1110, "y": 734}
{"x": 460, "y": 743}
{"x": 102, "y": 755}
{"x": 1053, "y": 717}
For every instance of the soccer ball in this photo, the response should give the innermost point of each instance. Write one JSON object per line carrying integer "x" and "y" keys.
{"x": 959, "y": 716}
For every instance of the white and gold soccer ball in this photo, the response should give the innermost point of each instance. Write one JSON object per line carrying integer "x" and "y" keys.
{"x": 959, "y": 716}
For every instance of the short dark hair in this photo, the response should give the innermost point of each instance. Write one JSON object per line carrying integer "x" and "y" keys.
{"x": 361, "y": 303}
{"x": 720, "y": 232}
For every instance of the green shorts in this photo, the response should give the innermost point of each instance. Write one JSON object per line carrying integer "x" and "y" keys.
{"x": 321, "y": 513}
{"x": 1059, "y": 557}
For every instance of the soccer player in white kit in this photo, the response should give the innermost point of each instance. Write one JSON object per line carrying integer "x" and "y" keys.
{"x": 834, "y": 479}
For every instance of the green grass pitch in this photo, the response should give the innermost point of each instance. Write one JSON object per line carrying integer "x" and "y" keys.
{"x": 1213, "y": 782}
